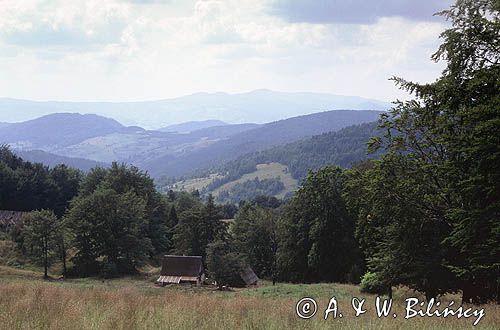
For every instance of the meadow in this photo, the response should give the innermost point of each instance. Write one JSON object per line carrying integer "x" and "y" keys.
{"x": 28, "y": 302}
{"x": 265, "y": 171}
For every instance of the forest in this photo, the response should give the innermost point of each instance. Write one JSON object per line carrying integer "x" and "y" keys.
{"x": 423, "y": 213}
{"x": 251, "y": 189}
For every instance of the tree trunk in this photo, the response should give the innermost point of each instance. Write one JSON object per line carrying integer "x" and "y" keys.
{"x": 46, "y": 259}
{"x": 63, "y": 255}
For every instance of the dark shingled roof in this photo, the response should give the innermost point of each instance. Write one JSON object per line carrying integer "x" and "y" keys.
{"x": 10, "y": 218}
{"x": 191, "y": 266}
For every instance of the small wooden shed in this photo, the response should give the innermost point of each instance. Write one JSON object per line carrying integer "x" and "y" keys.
{"x": 249, "y": 276}
{"x": 181, "y": 269}
{"x": 10, "y": 219}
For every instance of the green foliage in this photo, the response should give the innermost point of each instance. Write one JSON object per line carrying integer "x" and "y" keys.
{"x": 119, "y": 218}
{"x": 187, "y": 234}
{"x": 400, "y": 239}
{"x": 41, "y": 232}
{"x": 250, "y": 189}
{"x": 197, "y": 228}
{"x": 108, "y": 225}
{"x": 433, "y": 201}
{"x": 109, "y": 270}
{"x": 373, "y": 283}
{"x": 185, "y": 201}
{"x": 255, "y": 237}
{"x": 25, "y": 186}
{"x": 267, "y": 201}
{"x": 224, "y": 264}
{"x": 317, "y": 233}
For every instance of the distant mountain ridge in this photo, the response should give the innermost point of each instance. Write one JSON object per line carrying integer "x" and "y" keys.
{"x": 51, "y": 160}
{"x": 191, "y": 126}
{"x": 86, "y": 140}
{"x": 59, "y": 129}
{"x": 258, "y": 106}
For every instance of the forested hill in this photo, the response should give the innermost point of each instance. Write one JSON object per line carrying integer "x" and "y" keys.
{"x": 59, "y": 129}
{"x": 260, "y": 138}
{"x": 343, "y": 148}
{"x": 53, "y": 160}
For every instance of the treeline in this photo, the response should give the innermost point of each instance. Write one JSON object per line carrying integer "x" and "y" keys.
{"x": 26, "y": 186}
{"x": 251, "y": 189}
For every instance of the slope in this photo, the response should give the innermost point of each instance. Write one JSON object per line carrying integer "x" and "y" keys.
{"x": 342, "y": 148}
{"x": 57, "y": 130}
{"x": 264, "y": 137}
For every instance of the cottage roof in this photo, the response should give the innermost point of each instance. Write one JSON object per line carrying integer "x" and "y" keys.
{"x": 9, "y": 218}
{"x": 185, "y": 266}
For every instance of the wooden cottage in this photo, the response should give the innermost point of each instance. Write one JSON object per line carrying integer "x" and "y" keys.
{"x": 181, "y": 269}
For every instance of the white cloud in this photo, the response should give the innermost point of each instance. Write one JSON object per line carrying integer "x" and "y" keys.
{"x": 89, "y": 50}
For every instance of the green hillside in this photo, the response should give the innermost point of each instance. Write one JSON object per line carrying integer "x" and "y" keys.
{"x": 289, "y": 163}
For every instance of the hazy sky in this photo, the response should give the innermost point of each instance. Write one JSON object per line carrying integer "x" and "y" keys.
{"x": 152, "y": 49}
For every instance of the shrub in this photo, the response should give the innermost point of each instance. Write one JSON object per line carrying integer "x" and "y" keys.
{"x": 373, "y": 283}
{"x": 109, "y": 270}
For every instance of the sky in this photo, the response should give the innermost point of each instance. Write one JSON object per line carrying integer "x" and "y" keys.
{"x": 122, "y": 50}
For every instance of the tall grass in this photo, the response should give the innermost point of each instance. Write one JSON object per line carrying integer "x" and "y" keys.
{"x": 130, "y": 304}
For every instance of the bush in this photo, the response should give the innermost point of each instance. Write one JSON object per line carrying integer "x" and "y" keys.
{"x": 224, "y": 265}
{"x": 373, "y": 283}
{"x": 10, "y": 255}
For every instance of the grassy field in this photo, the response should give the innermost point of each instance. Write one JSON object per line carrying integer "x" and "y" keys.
{"x": 27, "y": 302}
{"x": 265, "y": 171}
{"x": 195, "y": 184}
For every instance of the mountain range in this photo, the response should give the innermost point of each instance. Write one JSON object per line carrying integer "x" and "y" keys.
{"x": 259, "y": 106}
{"x": 259, "y": 138}
{"x": 87, "y": 140}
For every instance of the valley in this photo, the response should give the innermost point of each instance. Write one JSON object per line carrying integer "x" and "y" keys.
{"x": 230, "y": 161}
{"x": 86, "y": 140}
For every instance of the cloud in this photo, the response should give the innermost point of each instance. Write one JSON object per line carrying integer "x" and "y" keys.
{"x": 151, "y": 2}
{"x": 355, "y": 11}
{"x": 61, "y": 23}
{"x": 119, "y": 49}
